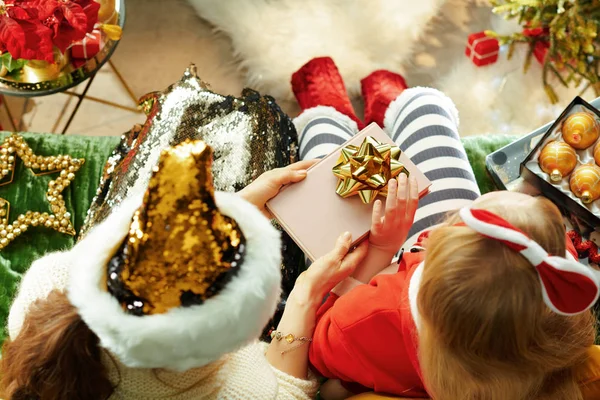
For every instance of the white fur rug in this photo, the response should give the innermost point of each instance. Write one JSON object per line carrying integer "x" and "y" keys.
{"x": 424, "y": 40}
{"x": 273, "y": 38}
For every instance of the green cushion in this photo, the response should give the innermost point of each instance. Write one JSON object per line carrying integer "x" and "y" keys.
{"x": 27, "y": 192}
{"x": 478, "y": 147}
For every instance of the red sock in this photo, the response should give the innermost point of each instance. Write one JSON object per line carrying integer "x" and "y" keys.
{"x": 379, "y": 89}
{"x": 319, "y": 83}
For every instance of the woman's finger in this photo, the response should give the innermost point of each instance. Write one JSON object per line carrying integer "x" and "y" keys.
{"x": 342, "y": 247}
{"x": 304, "y": 164}
{"x": 279, "y": 177}
{"x": 352, "y": 260}
{"x": 377, "y": 216}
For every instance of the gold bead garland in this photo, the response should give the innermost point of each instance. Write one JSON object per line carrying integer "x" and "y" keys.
{"x": 59, "y": 219}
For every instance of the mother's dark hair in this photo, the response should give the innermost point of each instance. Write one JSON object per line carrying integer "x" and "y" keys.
{"x": 54, "y": 357}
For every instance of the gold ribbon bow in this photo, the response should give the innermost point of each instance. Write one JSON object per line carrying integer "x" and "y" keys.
{"x": 366, "y": 170}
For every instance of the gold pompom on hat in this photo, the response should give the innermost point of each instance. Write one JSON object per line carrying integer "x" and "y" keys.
{"x": 182, "y": 276}
{"x": 180, "y": 249}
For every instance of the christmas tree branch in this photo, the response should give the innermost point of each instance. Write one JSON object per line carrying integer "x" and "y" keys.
{"x": 561, "y": 34}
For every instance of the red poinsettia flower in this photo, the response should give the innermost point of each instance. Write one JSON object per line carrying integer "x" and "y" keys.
{"x": 69, "y": 20}
{"x": 22, "y": 34}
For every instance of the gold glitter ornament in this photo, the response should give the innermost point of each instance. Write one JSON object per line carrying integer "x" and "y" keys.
{"x": 585, "y": 183}
{"x": 580, "y": 130}
{"x": 180, "y": 249}
{"x": 59, "y": 219}
{"x": 557, "y": 159}
{"x": 597, "y": 153}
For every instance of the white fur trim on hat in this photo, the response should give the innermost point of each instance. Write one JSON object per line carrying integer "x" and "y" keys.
{"x": 185, "y": 337}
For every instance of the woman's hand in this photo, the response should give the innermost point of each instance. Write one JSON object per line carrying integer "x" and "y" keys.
{"x": 300, "y": 314}
{"x": 268, "y": 185}
{"x": 389, "y": 228}
{"x": 326, "y": 272}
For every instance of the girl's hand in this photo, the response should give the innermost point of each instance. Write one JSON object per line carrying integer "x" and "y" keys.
{"x": 326, "y": 272}
{"x": 390, "y": 229}
{"x": 268, "y": 185}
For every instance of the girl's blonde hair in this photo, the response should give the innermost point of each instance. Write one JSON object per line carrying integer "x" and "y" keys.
{"x": 486, "y": 332}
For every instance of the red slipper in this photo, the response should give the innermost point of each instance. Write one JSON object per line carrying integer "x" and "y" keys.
{"x": 379, "y": 89}
{"x": 319, "y": 83}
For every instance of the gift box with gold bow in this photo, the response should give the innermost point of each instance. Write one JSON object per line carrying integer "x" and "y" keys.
{"x": 338, "y": 194}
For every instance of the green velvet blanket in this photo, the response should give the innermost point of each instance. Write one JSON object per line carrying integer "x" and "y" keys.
{"x": 28, "y": 192}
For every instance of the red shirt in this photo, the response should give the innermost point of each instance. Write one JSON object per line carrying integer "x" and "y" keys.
{"x": 368, "y": 336}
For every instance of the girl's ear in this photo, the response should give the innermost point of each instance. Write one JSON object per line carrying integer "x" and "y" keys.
{"x": 54, "y": 357}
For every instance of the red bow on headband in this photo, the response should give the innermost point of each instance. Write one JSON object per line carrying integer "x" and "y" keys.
{"x": 568, "y": 287}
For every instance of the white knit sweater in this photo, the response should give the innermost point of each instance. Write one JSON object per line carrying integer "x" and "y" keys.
{"x": 245, "y": 374}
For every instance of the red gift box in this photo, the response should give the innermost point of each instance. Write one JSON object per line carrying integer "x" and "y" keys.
{"x": 482, "y": 49}
{"x": 88, "y": 47}
{"x": 535, "y": 32}
{"x": 540, "y": 50}
{"x": 78, "y": 63}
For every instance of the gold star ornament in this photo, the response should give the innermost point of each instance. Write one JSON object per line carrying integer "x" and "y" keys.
{"x": 58, "y": 219}
{"x": 365, "y": 170}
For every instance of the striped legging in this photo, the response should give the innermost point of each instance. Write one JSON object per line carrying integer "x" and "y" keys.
{"x": 424, "y": 124}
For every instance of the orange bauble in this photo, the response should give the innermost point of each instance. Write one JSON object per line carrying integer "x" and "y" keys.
{"x": 581, "y": 130}
{"x": 585, "y": 183}
{"x": 597, "y": 153}
{"x": 557, "y": 159}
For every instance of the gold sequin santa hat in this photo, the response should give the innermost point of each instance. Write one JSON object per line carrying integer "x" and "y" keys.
{"x": 183, "y": 279}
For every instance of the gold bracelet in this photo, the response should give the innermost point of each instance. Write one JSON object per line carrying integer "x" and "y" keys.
{"x": 290, "y": 338}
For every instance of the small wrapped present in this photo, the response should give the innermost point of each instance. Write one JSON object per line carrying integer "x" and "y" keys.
{"x": 78, "y": 63}
{"x": 540, "y": 50}
{"x": 88, "y": 47}
{"x": 482, "y": 49}
{"x": 338, "y": 194}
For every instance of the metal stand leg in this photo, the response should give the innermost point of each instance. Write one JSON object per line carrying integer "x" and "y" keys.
{"x": 17, "y": 126}
{"x": 62, "y": 114}
{"x": 25, "y": 104}
{"x": 122, "y": 80}
{"x": 10, "y": 116}
{"x": 79, "y": 101}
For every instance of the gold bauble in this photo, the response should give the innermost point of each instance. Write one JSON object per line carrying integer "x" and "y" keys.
{"x": 597, "y": 153}
{"x": 581, "y": 130}
{"x": 113, "y": 32}
{"x": 107, "y": 13}
{"x": 39, "y": 71}
{"x": 585, "y": 183}
{"x": 558, "y": 160}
